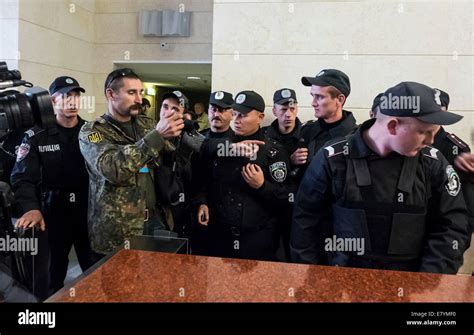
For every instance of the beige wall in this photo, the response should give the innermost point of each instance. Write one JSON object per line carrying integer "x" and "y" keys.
{"x": 117, "y": 38}
{"x": 83, "y": 39}
{"x": 9, "y": 33}
{"x": 272, "y": 44}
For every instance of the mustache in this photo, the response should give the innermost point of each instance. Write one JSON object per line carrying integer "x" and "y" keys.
{"x": 216, "y": 118}
{"x": 136, "y": 106}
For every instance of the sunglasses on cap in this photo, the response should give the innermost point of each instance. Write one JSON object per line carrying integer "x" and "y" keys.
{"x": 119, "y": 74}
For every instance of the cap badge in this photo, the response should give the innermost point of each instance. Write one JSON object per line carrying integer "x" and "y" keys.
{"x": 178, "y": 94}
{"x": 219, "y": 95}
{"x": 69, "y": 81}
{"x": 285, "y": 94}
{"x": 240, "y": 99}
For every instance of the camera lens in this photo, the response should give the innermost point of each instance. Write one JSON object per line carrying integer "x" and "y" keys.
{"x": 24, "y": 110}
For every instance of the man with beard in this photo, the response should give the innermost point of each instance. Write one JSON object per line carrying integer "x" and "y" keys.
{"x": 383, "y": 197}
{"x": 121, "y": 149}
{"x": 49, "y": 163}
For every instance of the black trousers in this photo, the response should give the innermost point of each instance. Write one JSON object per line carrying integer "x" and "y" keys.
{"x": 67, "y": 227}
{"x": 232, "y": 242}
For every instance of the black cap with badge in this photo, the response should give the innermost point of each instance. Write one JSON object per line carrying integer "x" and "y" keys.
{"x": 411, "y": 99}
{"x": 65, "y": 84}
{"x": 284, "y": 96}
{"x": 182, "y": 99}
{"x": 221, "y": 99}
{"x": 246, "y": 101}
{"x": 330, "y": 77}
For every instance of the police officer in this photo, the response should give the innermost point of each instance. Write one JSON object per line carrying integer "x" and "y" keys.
{"x": 457, "y": 152}
{"x": 49, "y": 163}
{"x": 329, "y": 89}
{"x": 220, "y": 116}
{"x": 245, "y": 196}
{"x": 286, "y": 130}
{"x": 121, "y": 149}
{"x": 382, "y": 197}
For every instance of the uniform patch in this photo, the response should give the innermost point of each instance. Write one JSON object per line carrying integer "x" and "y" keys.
{"x": 30, "y": 133}
{"x": 23, "y": 151}
{"x": 453, "y": 184}
{"x": 94, "y": 137}
{"x": 278, "y": 171}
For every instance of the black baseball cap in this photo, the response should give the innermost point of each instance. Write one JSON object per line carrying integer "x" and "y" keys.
{"x": 246, "y": 101}
{"x": 283, "y": 96}
{"x": 65, "y": 84}
{"x": 178, "y": 95}
{"x": 221, "y": 99}
{"x": 330, "y": 77}
{"x": 444, "y": 97}
{"x": 411, "y": 99}
{"x": 376, "y": 101}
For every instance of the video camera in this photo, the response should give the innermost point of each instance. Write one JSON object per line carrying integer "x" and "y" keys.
{"x": 22, "y": 110}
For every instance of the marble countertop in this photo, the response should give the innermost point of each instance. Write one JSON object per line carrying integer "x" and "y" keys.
{"x": 144, "y": 276}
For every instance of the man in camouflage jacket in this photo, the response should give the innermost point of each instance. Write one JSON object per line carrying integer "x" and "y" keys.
{"x": 121, "y": 149}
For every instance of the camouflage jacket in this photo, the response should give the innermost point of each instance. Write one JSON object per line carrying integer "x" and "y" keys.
{"x": 116, "y": 196}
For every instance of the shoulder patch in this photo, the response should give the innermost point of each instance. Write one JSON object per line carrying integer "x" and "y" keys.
{"x": 453, "y": 183}
{"x": 30, "y": 133}
{"x": 341, "y": 147}
{"x": 23, "y": 151}
{"x": 34, "y": 131}
{"x": 458, "y": 142}
{"x": 431, "y": 152}
{"x": 94, "y": 137}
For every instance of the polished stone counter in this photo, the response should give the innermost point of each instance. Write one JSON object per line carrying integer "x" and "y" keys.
{"x": 144, "y": 276}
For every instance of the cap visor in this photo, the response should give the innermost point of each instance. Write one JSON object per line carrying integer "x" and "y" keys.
{"x": 69, "y": 89}
{"x": 285, "y": 101}
{"x": 221, "y": 104}
{"x": 308, "y": 81}
{"x": 170, "y": 95}
{"x": 242, "y": 109}
{"x": 440, "y": 118}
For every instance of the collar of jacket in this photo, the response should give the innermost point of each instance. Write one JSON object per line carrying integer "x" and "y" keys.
{"x": 116, "y": 125}
{"x": 258, "y": 135}
{"x": 273, "y": 130}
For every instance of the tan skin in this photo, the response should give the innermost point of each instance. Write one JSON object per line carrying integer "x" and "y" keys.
{"x": 219, "y": 118}
{"x": 325, "y": 107}
{"x": 66, "y": 110}
{"x": 406, "y": 136}
{"x": 245, "y": 125}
